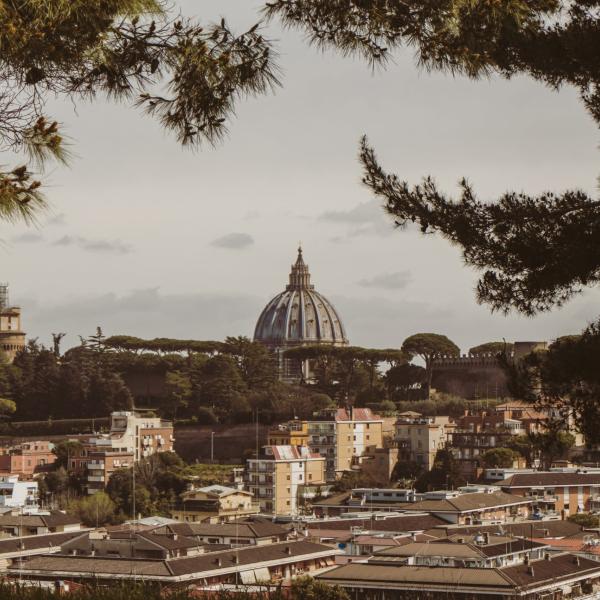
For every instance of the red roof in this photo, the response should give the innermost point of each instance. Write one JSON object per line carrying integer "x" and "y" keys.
{"x": 357, "y": 414}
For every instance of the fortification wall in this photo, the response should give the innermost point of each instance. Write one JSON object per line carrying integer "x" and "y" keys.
{"x": 479, "y": 376}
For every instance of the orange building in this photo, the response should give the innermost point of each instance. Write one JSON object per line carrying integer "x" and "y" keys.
{"x": 556, "y": 492}
{"x": 26, "y": 459}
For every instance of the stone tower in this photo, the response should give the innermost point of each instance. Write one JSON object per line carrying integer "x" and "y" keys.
{"x": 12, "y": 337}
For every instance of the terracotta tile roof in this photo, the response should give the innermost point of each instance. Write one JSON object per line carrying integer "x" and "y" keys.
{"x": 89, "y": 565}
{"x": 549, "y": 479}
{"x": 358, "y": 414}
{"x": 251, "y": 527}
{"x": 540, "y": 529}
{"x": 34, "y": 542}
{"x": 417, "y": 575}
{"x": 246, "y": 556}
{"x": 559, "y": 567}
{"x": 401, "y": 524}
{"x": 470, "y": 502}
{"x": 223, "y": 559}
{"x": 54, "y": 519}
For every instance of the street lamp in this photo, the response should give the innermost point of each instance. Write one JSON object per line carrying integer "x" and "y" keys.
{"x": 212, "y": 447}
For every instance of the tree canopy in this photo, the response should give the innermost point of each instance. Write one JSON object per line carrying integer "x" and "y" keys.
{"x": 491, "y": 348}
{"x": 535, "y": 251}
{"x": 187, "y": 75}
{"x": 429, "y": 346}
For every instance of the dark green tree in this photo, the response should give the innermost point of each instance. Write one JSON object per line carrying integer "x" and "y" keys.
{"x": 188, "y": 76}
{"x": 429, "y": 346}
{"x": 444, "y": 474}
{"x": 222, "y": 388}
{"x": 496, "y": 458}
{"x": 402, "y": 378}
{"x": 492, "y": 348}
{"x": 534, "y": 252}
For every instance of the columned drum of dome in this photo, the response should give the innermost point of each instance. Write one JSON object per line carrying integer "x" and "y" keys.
{"x": 299, "y": 316}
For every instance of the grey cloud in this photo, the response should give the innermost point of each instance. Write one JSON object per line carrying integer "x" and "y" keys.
{"x": 234, "y": 241}
{"x": 366, "y": 218}
{"x": 29, "y": 237}
{"x": 59, "y": 219}
{"x": 388, "y": 281}
{"x": 145, "y": 313}
{"x": 108, "y": 246}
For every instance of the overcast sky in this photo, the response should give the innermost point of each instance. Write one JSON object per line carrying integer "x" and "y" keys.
{"x": 148, "y": 239}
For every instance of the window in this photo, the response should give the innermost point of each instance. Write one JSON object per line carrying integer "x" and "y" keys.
{"x": 354, "y": 437}
{"x": 368, "y": 436}
{"x": 300, "y": 476}
{"x": 310, "y": 475}
{"x": 287, "y": 502}
{"x": 288, "y": 477}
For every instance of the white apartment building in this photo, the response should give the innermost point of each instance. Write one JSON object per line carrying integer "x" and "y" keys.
{"x": 18, "y": 494}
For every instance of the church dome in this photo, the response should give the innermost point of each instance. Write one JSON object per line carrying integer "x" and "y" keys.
{"x": 300, "y": 315}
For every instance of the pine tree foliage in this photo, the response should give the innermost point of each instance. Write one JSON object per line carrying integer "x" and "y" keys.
{"x": 188, "y": 76}
{"x": 534, "y": 251}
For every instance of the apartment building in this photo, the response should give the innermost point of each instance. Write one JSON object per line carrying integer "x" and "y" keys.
{"x": 27, "y": 458}
{"x": 18, "y": 494}
{"x": 487, "y": 507}
{"x": 342, "y": 435}
{"x": 292, "y": 433}
{"x": 214, "y": 504}
{"x": 476, "y": 432}
{"x": 419, "y": 438}
{"x": 132, "y": 437}
{"x": 556, "y": 492}
{"x": 284, "y": 478}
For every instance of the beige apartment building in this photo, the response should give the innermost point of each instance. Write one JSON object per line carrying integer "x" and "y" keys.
{"x": 214, "y": 504}
{"x": 284, "y": 478}
{"x": 342, "y": 435}
{"x": 132, "y": 437}
{"x": 419, "y": 438}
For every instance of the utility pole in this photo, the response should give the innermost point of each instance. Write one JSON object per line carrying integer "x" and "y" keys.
{"x": 212, "y": 447}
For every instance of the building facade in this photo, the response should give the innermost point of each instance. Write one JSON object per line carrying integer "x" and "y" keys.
{"x": 555, "y": 492}
{"x": 132, "y": 437}
{"x": 26, "y": 459}
{"x": 214, "y": 504}
{"x": 284, "y": 478}
{"x": 419, "y": 438}
{"x": 342, "y": 435}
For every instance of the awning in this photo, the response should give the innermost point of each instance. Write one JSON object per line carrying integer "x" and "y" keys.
{"x": 255, "y": 575}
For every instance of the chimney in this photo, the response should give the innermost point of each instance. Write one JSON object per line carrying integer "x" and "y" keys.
{"x": 530, "y": 571}
{"x": 236, "y": 559}
{"x": 218, "y": 562}
{"x": 288, "y": 550}
{"x": 486, "y": 538}
{"x": 547, "y": 556}
{"x": 526, "y": 559}
{"x": 577, "y": 560}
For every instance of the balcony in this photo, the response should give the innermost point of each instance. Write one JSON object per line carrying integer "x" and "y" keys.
{"x": 96, "y": 478}
{"x": 96, "y": 464}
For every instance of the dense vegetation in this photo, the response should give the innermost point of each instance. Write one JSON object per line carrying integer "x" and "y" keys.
{"x": 210, "y": 381}
{"x": 303, "y": 588}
